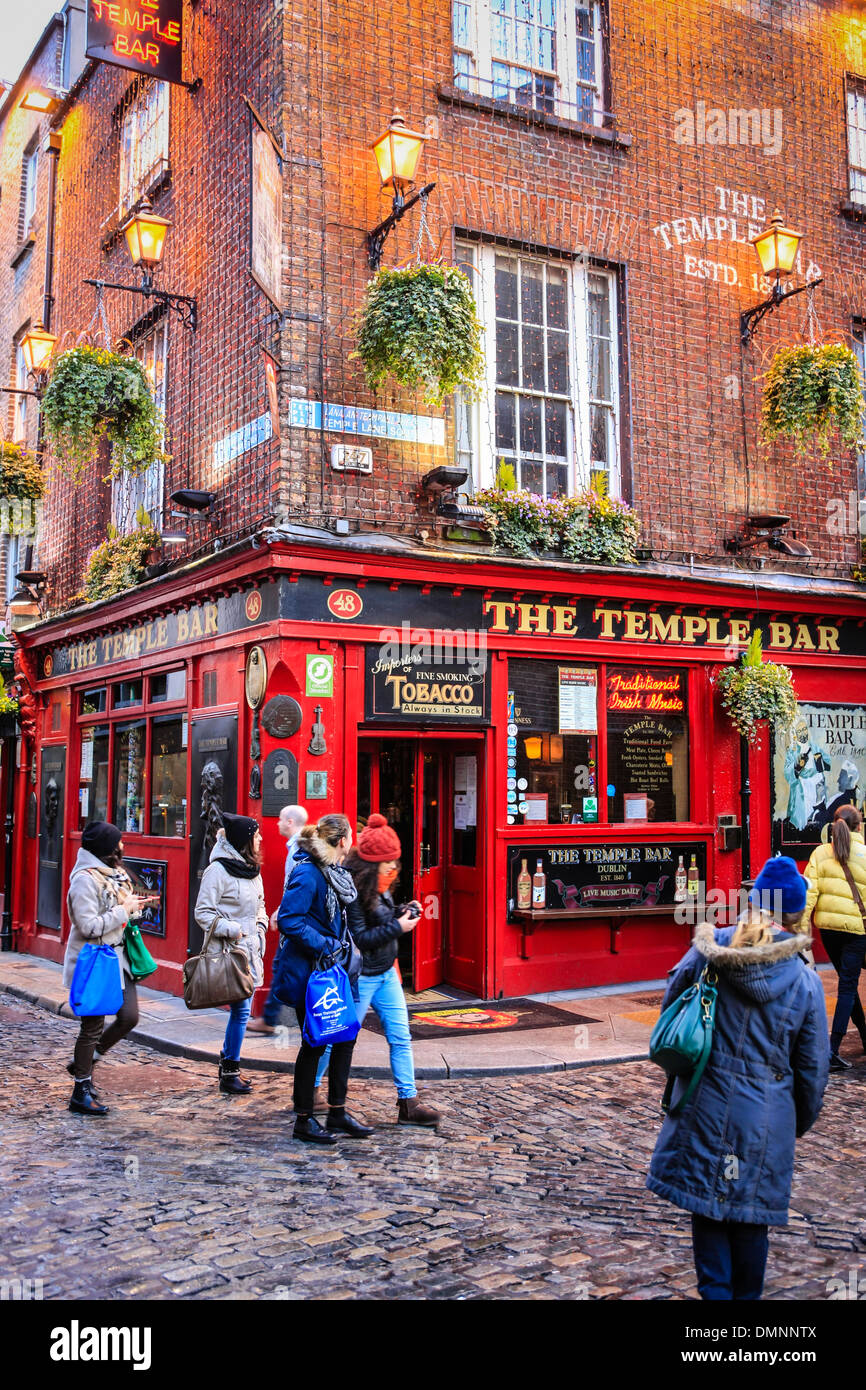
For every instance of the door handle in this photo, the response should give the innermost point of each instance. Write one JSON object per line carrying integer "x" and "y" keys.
{"x": 425, "y": 863}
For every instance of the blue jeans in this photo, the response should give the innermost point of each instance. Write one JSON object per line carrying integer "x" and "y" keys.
{"x": 272, "y": 1012}
{"x": 239, "y": 1014}
{"x": 385, "y": 993}
{"x": 730, "y": 1258}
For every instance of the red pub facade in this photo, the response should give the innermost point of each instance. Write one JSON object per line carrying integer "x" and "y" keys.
{"x": 560, "y": 724}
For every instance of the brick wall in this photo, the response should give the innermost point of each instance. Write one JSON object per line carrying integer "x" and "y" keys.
{"x": 328, "y": 77}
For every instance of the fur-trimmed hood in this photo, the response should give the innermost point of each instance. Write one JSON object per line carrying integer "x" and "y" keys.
{"x": 761, "y": 972}
{"x": 318, "y": 849}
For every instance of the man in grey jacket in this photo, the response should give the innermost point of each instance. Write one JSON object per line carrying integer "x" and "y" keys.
{"x": 290, "y": 824}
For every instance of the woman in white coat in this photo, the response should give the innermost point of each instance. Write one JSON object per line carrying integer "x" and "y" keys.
{"x": 231, "y": 899}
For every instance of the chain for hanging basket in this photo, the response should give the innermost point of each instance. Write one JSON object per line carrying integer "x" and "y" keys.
{"x": 811, "y": 323}
{"x": 422, "y": 229}
{"x": 98, "y": 322}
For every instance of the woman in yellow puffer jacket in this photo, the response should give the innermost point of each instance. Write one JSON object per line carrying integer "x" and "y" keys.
{"x": 839, "y": 918}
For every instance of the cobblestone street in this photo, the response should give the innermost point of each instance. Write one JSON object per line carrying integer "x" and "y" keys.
{"x": 533, "y": 1187}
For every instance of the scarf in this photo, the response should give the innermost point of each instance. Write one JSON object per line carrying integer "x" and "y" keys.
{"x": 341, "y": 888}
{"x": 239, "y": 868}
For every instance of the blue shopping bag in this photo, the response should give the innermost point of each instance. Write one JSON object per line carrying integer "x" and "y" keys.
{"x": 97, "y": 984}
{"x": 330, "y": 1008}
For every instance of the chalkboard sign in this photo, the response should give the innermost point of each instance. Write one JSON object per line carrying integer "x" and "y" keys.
{"x": 606, "y": 876}
{"x": 149, "y": 876}
{"x": 279, "y": 782}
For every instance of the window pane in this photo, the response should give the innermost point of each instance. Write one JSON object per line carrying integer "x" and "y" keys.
{"x": 647, "y": 744}
{"x": 94, "y": 701}
{"x": 556, "y": 427}
{"x": 93, "y": 777}
{"x": 557, "y": 480}
{"x": 127, "y": 693}
{"x": 532, "y": 292}
{"x": 599, "y": 438}
{"x": 556, "y": 773}
{"x": 168, "y": 777}
{"x": 129, "y": 742}
{"x": 507, "y": 366}
{"x": 530, "y": 425}
{"x": 506, "y": 436}
{"x": 430, "y": 811}
{"x": 557, "y": 362}
{"x": 506, "y": 288}
{"x": 557, "y": 300}
{"x": 171, "y": 685}
{"x": 533, "y": 358}
{"x": 531, "y": 477}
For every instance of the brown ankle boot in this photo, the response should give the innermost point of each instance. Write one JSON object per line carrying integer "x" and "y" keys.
{"x": 412, "y": 1112}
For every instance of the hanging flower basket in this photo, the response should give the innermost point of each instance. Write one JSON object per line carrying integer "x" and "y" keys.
{"x": 754, "y": 691}
{"x": 8, "y": 712}
{"x": 20, "y": 473}
{"x": 809, "y": 392}
{"x": 420, "y": 327}
{"x": 118, "y": 564}
{"x": 97, "y": 395}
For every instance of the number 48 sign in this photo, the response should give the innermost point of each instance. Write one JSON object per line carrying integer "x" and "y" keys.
{"x": 320, "y": 674}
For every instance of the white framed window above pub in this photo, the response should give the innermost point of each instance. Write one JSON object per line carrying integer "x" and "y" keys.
{"x": 549, "y": 55}
{"x": 859, "y": 337}
{"x": 144, "y": 127}
{"x": 855, "y": 102}
{"x": 550, "y": 409}
{"x": 136, "y": 493}
{"x": 29, "y": 186}
{"x": 20, "y": 402}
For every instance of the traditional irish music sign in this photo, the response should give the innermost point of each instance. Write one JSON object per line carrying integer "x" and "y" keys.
{"x": 144, "y": 35}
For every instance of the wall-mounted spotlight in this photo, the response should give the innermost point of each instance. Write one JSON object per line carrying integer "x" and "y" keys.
{"x": 36, "y": 99}
{"x": 767, "y": 528}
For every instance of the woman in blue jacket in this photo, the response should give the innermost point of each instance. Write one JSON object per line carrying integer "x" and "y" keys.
{"x": 311, "y": 920}
{"x": 728, "y": 1156}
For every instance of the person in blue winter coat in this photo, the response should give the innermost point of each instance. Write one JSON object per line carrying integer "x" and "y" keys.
{"x": 312, "y": 921}
{"x": 728, "y": 1156}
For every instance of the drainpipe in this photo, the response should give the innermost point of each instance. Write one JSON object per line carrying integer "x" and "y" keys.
{"x": 52, "y": 146}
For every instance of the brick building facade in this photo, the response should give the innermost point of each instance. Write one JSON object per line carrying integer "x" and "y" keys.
{"x": 599, "y": 171}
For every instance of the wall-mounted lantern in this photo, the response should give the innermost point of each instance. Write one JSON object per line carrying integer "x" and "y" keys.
{"x": 37, "y": 347}
{"x": 145, "y": 235}
{"x": 776, "y": 247}
{"x": 397, "y": 153}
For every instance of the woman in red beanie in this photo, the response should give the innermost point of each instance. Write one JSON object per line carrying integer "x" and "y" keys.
{"x": 376, "y": 929}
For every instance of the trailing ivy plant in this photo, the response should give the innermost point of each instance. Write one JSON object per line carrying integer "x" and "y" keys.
{"x": 590, "y": 527}
{"x": 118, "y": 563}
{"x": 420, "y": 326}
{"x": 754, "y": 690}
{"x": 811, "y": 391}
{"x": 20, "y": 473}
{"x": 95, "y": 395}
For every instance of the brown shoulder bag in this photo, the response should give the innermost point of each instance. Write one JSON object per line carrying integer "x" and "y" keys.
{"x": 218, "y": 977}
{"x": 855, "y": 891}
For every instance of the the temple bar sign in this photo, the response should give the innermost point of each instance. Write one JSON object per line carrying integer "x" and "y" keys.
{"x": 144, "y": 35}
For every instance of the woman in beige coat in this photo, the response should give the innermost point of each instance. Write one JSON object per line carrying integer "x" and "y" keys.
{"x": 101, "y": 901}
{"x": 833, "y": 904}
{"x": 231, "y": 902}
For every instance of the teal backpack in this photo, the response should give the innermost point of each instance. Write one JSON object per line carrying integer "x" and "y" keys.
{"x": 683, "y": 1038}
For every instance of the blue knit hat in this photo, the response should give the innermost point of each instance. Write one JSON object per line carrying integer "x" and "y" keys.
{"x": 780, "y": 875}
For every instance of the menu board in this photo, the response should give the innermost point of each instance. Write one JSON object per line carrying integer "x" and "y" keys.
{"x": 578, "y": 703}
{"x": 606, "y": 876}
{"x": 644, "y": 752}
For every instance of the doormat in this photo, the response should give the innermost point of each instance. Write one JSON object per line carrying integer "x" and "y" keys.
{"x": 506, "y": 1016}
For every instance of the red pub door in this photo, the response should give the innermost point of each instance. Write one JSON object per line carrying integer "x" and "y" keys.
{"x": 429, "y": 790}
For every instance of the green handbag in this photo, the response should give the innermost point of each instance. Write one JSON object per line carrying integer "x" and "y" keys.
{"x": 683, "y": 1037}
{"x": 141, "y": 962}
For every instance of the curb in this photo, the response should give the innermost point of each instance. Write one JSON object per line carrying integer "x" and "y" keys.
{"x": 266, "y": 1064}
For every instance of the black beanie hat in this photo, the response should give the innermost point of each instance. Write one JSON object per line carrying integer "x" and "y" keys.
{"x": 239, "y": 830}
{"x": 101, "y": 838}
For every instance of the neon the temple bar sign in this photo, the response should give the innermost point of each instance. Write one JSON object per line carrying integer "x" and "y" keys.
{"x": 145, "y": 35}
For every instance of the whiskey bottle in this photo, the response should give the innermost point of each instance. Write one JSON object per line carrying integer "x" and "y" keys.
{"x": 524, "y": 888}
{"x": 694, "y": 877}
{"x": 680, "y": 893}
{"x": 539, "y": 886}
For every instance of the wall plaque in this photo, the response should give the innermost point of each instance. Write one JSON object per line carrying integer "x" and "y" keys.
{"x": 281, "y": 716}
{"x": 279, "y": 782}
{"x": 421, "y": 687}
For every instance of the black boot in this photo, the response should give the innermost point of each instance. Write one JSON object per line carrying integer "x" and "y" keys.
{"x": 341, "y": 1122}
{"x": 83, "y": 1101}
{"x": 230, "y": 1078}
{"x": 838, "y": 1063}
{"x": 309, "y": 1131}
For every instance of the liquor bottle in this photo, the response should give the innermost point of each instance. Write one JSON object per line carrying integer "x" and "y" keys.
{"x": 524, "y": 888}
{"x": 693, "y": 877}
{"x": 680, "y": 893}
{"x": 539, "y": 886}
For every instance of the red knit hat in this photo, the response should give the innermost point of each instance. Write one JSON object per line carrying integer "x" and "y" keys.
{"x": 377, "y": 842}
